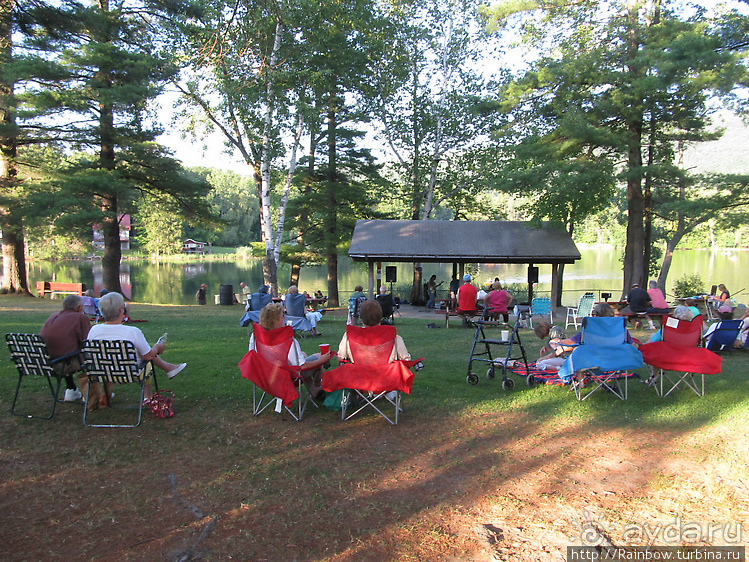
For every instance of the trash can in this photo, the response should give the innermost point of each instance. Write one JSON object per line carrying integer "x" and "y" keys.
{"x": 226, "y": 294}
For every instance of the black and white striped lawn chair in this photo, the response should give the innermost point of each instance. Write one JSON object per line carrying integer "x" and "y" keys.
{"x": 116, "y": 362}
{"x": 29, "y": 353}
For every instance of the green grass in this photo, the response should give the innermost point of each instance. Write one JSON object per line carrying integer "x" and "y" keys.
{"x": 211, "y": 341}
{"x": 456, "y": 445}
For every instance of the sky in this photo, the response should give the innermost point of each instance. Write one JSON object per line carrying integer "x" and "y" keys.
{"x": 718, "y": 156}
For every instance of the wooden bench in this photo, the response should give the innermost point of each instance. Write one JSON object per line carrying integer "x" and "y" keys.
{"x": 658, "y": 315}
{"x": 448, "y": 313}
{"x": 53, "y": 287}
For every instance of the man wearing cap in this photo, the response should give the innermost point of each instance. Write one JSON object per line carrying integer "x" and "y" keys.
{"x": 467, "y": 298}
{"x": 258, "y": 300}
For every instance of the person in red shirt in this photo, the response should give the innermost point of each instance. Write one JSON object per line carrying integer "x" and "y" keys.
{"x": 467, "y": 299}
{"x": 64, "y": 332}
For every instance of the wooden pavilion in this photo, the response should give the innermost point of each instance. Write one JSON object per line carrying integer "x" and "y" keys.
{"x": 462, "y": 242}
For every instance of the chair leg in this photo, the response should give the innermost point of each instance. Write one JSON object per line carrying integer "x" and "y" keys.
{"x": 55, "y": 391}
{"x": 109, "y": 406}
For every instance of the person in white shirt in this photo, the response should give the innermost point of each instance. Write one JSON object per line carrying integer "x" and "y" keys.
{"x": 112, "y": 306}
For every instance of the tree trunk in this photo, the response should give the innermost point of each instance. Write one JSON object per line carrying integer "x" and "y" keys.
{"x": 331, "y": 216}
{"x": 633, "y": 251}
{"x": 418, "y": 279}
{"x": 14, "y": 259}
{"x": 110, "y": 262}
{"x": 270, "y": 264}
{"x": 11, "y": 221}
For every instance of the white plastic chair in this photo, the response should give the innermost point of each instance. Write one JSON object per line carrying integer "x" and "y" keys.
{"x": 584, "y": 308}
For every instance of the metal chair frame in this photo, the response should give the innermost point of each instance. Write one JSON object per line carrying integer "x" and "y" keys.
{"x": 358, "y": 400}
{"x": 259, "y": 406}
{"x": 116, "y": 361}
{"x": 30, "y": 355}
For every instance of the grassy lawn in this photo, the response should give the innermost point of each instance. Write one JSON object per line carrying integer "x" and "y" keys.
{"x": 470, "y": 472}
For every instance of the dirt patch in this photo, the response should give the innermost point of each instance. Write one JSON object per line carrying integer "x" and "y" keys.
{"x": 486, "y": 487}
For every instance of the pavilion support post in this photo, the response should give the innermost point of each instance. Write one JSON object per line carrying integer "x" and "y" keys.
{"x": 370, "y": 290}
{"x": 555, "y": 296}
{"x": 532, "y": 278}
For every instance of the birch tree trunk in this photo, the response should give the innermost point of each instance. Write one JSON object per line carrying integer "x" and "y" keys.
{"x": 270, "y": 264}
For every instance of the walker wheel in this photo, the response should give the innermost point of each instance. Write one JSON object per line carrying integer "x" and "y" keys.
{"x": 472, "y": 379}
{"x": 530, "y": 380}
{"x": 508, "y": 384}
{"x": 490, "y": 374}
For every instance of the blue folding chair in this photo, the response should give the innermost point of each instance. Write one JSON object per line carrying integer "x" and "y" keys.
{"x": 602, "y": 358}
{"x": 540, "y": 306}
{"x": 723, "y": 335}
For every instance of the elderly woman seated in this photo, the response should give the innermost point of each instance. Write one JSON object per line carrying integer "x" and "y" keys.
{"x": 272, "y": 317}
{"x": 682, "y": 313}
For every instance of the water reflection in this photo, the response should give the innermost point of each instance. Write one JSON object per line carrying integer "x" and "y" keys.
{"x": 176, "y": 283}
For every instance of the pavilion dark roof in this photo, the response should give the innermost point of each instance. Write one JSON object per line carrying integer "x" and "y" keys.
{"x": 460, "y": 241}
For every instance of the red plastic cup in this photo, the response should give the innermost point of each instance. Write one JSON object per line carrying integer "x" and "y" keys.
{"x": 324, "y": 348}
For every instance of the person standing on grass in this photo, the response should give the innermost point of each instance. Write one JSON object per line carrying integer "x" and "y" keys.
{"x": 200, "y": 295}
{"x": 112, "y": 307}
{"x": 64, "y": 332}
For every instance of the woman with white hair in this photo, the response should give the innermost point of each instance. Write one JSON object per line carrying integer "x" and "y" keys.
{"x": 682, "y": 313}
{"x": 112, "y": 306}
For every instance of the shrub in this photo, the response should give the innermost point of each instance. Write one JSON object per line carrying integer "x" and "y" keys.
{"x": 689, "y": 285}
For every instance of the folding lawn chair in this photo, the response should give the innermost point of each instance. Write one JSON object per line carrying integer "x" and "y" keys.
{"x": 387, "y": 303}
{"x": 268, "y": 368}
{"x": 373, "y": 380}
{"x": 678, "y": 359}
{"x": 583, "y": 309}
{"x": 90, "y": 308}
{"x": 540, "y": 306}
{"x": 481, "y": 351}
{"x": 29, "y": 353}
{"x": 116, "y": 362}
{"x": 295, "y": 306}
{"x": 722, "y": 335}
{"x": 602, "y": 358}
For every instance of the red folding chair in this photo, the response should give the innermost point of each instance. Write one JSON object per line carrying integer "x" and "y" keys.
{"x": 678, "y": 359}
{"x": 268, "y": 368}
{"x": 371, "y": 379}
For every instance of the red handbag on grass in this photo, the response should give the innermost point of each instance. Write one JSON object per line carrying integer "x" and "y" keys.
{"x": 162, "y": 406}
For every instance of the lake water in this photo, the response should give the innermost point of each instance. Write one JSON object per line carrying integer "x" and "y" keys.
{"x": 176, "y": 283}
